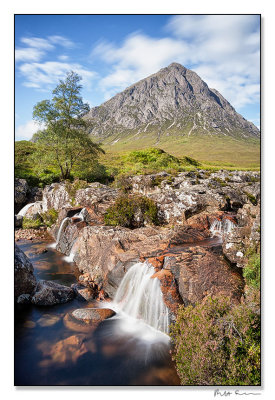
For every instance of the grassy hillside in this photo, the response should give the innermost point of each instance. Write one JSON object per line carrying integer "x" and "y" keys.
{"x": 215, "y": 151}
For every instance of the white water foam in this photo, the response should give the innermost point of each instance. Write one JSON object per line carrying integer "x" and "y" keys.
{"x": 60, "y": 230}
{"x": 70, "y": 257}
{"x": 221, "y": 228}
{"x": 24, "y": 210}
{"x": 139, "y": 300}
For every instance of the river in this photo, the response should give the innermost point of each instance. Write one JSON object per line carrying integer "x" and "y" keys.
{"x": 50, "y": 352}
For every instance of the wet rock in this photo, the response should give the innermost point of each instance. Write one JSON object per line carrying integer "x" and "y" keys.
{"x": 24, "y": 299}
{"x": 20, "y": 193}
{"x": 82, "y": 292}
{"x": 48, "y": 293}
{"x": 24, "y": 279}
{"x": 48, "y": 320}
{"x": 62, "y": 352}
{"x": 93, "y": 315}
{"x": 29, "y": 324}
{"x": 171, "y": 296}
{"x": 18, "y": 220}
{"x": 201, "y": 271}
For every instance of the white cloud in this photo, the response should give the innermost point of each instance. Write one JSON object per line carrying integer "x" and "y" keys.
{"x": 222, "y": 49}
{"x": 26, "y": 131}
{"x": 43, "y": 75}
{"x": 138, "y": 57}
{"x": 28, "y": 54}
{"x": 62, "y": 41}
{"x": 63, "y": 57}
{"x": 39, "y": 43}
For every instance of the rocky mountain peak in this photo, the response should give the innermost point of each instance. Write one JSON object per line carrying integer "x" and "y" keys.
{"x": 173, "y": 101}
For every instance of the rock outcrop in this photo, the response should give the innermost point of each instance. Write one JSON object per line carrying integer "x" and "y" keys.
{"x": 21, "y": 189}
{"x": 24, "y": 279}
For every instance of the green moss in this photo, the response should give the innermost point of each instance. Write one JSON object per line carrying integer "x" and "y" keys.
{"x": 31, "y": 224}
{"x": 132, "y": 212}
{"x": 251, "y": 198}
{"x": 49, "y": 217}
{"x": 252, "y": 271}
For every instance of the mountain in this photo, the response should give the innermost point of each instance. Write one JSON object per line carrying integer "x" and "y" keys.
{"x": 174, "y": 102}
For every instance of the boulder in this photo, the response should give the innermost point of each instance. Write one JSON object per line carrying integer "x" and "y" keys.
{"x": 48, "y": 293}
{"x": 20, "y": 193}
{"x": 82, "y": 292}
{"x": 55, "y": 196}
{"x": 24, "y": 279}
{"x": 93, "y": 315}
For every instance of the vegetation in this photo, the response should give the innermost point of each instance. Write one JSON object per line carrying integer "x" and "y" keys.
{"x": 49, "y": 217}
{"x": 29, "y": 223}
{"x": 132, "y": 212}
{"x": 64, "y": 144}
{"x": 217, "y": 342}
{"x": 252, "y": 271}
{"x": 251, "y": 198}
{"x": 211, "y": 151}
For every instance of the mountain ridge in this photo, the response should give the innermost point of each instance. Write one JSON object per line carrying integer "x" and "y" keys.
{"x": 172, "y": 102}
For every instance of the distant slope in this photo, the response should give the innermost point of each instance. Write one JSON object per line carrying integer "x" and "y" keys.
{"x": 171, "y": 104}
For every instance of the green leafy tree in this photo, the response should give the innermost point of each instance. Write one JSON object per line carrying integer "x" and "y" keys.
{"x": 64, "y": 144}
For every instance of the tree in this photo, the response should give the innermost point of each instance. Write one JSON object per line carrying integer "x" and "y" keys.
{"x": 64, "y": 144}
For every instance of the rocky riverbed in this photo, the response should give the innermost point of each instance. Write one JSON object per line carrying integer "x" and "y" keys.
{"x": 208, "y": 224}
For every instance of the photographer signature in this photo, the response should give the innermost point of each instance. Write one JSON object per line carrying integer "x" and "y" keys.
{"x": 227, "y": 393}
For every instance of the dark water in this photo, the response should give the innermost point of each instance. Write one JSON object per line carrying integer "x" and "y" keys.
{"x": 49, "y": 351}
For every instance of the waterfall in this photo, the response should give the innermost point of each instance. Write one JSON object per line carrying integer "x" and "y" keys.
{"x": 221, "y": 227}
{"x": 60, "y": 230}
{"x": 70, "y": 257}
{"x": 139, "y": 296}
{"x": 24, "y": 210}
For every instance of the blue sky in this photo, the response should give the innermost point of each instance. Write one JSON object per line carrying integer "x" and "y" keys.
{"x": 111, "y": 52}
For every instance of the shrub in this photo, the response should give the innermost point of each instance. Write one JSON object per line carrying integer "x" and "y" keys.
{"x": 218, "y": 344}
{"x": 50, "y": 217}
{"x": 31, "y": 224}
{"x": 252, "y": 271}
{"x": 132, "y": 212}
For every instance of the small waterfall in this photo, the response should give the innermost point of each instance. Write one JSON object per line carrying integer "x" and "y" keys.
{"x": 221, "y": 227}
{"x": 24, "y": 210}
{"x": 140, "y": 297}
{"x": 60, "y": 230}
{"x": 70, "y": 257}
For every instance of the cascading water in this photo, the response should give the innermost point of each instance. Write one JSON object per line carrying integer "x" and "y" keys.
{"x": 221, "y": 227}
{"x": 24, "y": 210}
{"x": 70, "y": 257}
{"x": 139, "y": 296}
{"x": 60, "y": 230}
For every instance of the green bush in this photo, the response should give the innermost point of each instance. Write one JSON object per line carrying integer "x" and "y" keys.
{"x": 31, "y": 224}
{"x": 132, "y": 212}
{"x": 216, "y": 343}
{"x": 252, "y": 271}
{"x": 50, "y": 217}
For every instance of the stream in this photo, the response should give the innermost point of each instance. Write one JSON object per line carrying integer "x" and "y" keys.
{"x": 50, "y": 352}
